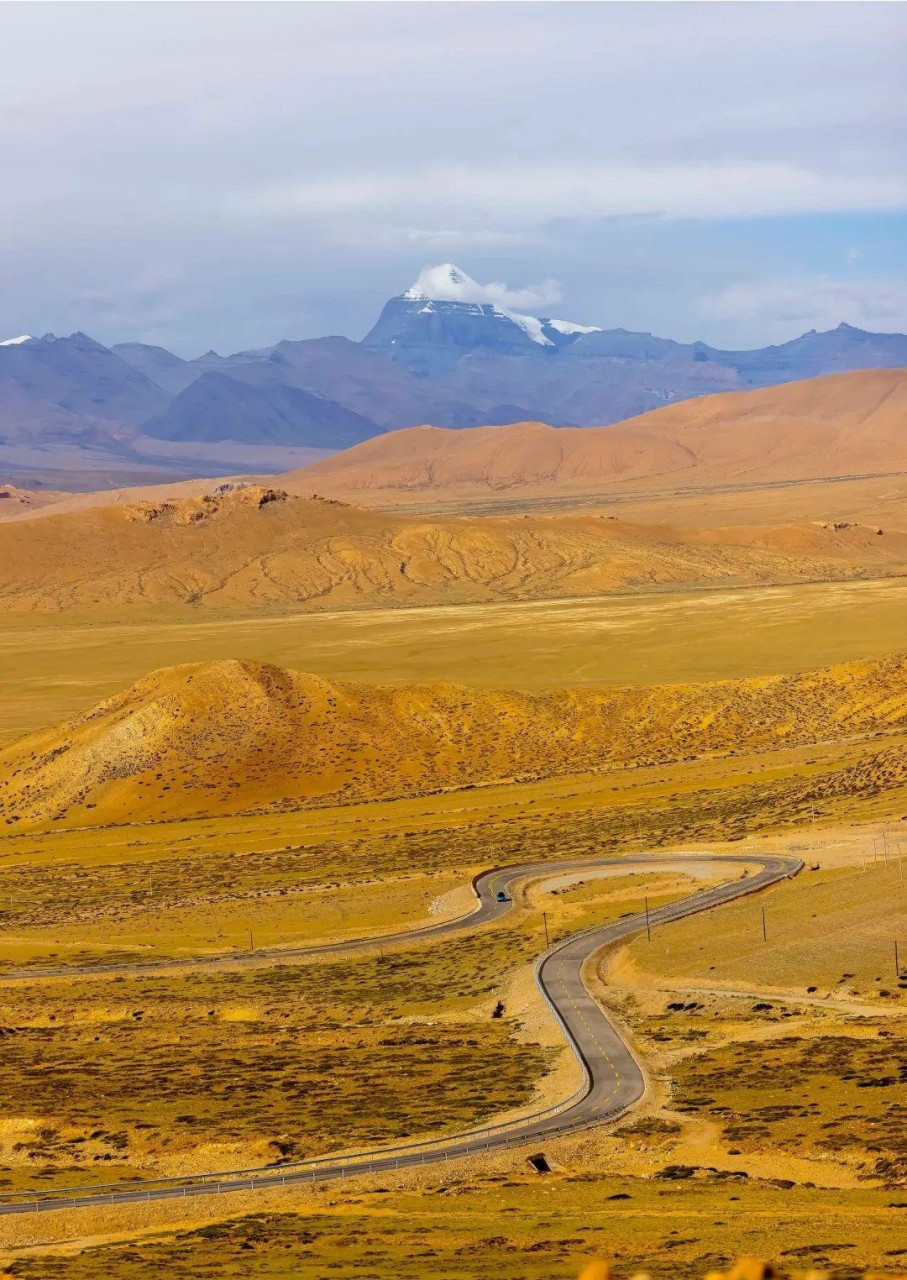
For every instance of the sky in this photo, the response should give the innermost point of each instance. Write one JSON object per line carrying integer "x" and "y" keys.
{"x": 226, "y": 175}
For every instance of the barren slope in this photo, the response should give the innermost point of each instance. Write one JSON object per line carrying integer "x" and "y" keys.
{"x": 258, "y": 548}
{"x": 15, "y": 501}
{"x": 843, "y": 425}
{"x": 225, "y": 737}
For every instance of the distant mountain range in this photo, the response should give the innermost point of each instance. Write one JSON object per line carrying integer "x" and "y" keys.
{"x": 74, "y": 413}
{"x": 842, "y": 425}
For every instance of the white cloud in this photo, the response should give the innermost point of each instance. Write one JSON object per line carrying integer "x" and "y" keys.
{"x": 469, "y": 238}
{"x": 812, "y": 302}
{"x": 366, "y": 233}
{"x": 447, "y": 283}
{"x": 540, "y": 192}
{"x": 298, "y": 163}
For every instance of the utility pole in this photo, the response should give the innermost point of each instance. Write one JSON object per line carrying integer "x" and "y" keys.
{"x": 648, "y": 930}
{"x": 545, "y": 921}
{"x": 897, "y": 967}
{"x": 764, "y": 934}
{"x": 251, "y": 943}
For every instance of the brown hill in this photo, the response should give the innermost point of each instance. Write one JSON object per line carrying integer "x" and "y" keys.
{"x": 226, "y": 737}
{"x": 844, "y": 425}
{"x": 15, "y": 501}
{"x": 39, "y": 503}
{"x": 259, "y": 548}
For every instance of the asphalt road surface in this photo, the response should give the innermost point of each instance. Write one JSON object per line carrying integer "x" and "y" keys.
{"x": 612, "y": 1078}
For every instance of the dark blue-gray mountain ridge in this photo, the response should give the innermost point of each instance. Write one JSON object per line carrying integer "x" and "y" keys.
{"x": 70, "y": 402}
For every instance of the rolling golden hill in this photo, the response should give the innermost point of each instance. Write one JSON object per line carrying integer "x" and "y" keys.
{"x": 848, "y": 424}
{"x": 233, "y": 736}
{"x": 254, "y": 548}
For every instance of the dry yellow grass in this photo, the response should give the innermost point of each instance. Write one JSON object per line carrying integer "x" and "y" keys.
{"x": 233, "y": 736}
{"x": 154, "y": 1073}
{"x": 259, "y": 549}
{"x": 718, "y": 763}
{"x": 879, "y": 500}
{"x": 51, "y": 668}
{"x": 499, "y": 1223}
{"x": 827, "y": 924}
{"x": 494, "y": 1220}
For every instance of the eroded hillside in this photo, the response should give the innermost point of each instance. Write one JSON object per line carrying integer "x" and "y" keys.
{"x": 260, "y": 548}
{"x": 227, "y": 737}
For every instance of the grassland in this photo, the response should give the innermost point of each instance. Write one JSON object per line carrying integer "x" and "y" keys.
{"x": 54, "y": 668}
{"x": 716, "y": 1162}
{"x": 114, "y": 1075}
{"x": 503, "y": 1223}
{"x": 749, "y": 1140}
{"x": 773, "y": 1126}
{"x": 169, "y": 889}
{"x": 833, "y": 930}
{"x": 865, "y": 499}
{"x": 171, "y": 1074}
{"x": 405, "y": 1038}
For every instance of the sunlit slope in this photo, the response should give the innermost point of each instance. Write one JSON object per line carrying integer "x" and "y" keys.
{"x": 260, "y": 548}
{"x": 230, "y": 736}
{"x": 843, "y": 425}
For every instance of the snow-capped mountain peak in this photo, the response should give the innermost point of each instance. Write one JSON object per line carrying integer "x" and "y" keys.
{"x": 16, "y": 342}
{"x": 445, "y": 283}
{"x": 446, "y": 316}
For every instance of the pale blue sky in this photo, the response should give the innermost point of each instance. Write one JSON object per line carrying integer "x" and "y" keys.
{"x": 226, "y": 175}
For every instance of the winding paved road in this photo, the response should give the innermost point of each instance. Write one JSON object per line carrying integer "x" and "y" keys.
{"x": 612, "y": 1078}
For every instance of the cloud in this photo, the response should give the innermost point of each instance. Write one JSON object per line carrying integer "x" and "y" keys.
{"x": 297, "y": 164}
{"x": 541, "y": 192}
{"x": 812, "y": 302}
{"x": 447, "y": 283}
{"x": 530, "y": 297}
{"x": 366, "y": 233}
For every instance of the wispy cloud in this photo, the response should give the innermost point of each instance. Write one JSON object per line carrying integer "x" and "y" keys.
{"x": 366, "y": 233}
{"x": 297, "y": 164}
{"x": 447, "y": 284}
{"x": 813, "y": 302}
{"x": 540, "y": 192}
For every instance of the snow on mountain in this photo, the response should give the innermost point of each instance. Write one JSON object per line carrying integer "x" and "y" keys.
{"x": 447, "y": 283}
{"x": 534, "y": 329}
{"x": 568, "y": 328}
{"x": 16, "y": 342}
